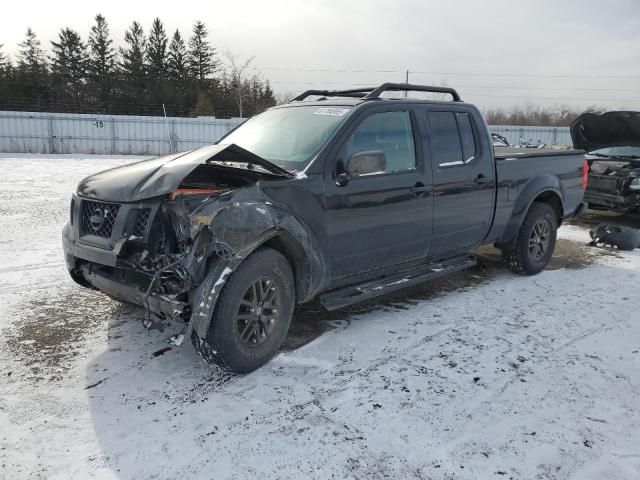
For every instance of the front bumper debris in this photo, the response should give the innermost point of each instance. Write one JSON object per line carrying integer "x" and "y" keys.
{"x": 612, "y": 201}
{"x": 162, "y": 306}
{"x": 94, "y": 267}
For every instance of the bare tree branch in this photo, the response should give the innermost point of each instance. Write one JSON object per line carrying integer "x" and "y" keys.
{"x": 238, "y": 69}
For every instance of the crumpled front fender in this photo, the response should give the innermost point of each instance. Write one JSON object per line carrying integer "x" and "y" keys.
{"x": 206, "y": 296}
{"x": 239, "y": 226}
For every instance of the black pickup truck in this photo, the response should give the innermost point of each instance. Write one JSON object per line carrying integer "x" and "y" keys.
{"x": 341, "y": 195}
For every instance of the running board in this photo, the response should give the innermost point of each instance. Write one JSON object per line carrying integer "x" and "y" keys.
{"x": 359, "y": 293}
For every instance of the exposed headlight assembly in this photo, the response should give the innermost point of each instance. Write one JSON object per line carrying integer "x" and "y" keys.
{"x": 635, "y": 184}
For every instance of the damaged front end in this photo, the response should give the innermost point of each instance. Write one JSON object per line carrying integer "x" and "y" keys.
{"x": 171, "y": 251}
{"x": 614, "y": 184}
{"x": 612, "y": 140}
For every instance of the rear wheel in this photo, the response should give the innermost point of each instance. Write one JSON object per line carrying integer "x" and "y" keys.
{"x": 536, "y": 241}
{"x": 252, "y": 316}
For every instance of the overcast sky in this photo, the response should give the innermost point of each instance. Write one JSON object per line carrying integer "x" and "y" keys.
{"x": 495, "y": 52}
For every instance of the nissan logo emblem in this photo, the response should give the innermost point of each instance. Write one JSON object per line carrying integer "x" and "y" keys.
{"x": 97, "y": 219}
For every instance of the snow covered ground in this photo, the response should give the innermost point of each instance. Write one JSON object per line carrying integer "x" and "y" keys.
{"x": 481, "y": 375}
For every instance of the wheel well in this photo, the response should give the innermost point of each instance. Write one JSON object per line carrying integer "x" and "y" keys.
{"x": 295, "y": 255}
{"x": 510, "y": 235}
{"x": 553, "y": 200}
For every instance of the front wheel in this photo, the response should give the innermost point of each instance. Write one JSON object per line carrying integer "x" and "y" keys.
{"x": 536, "y": 241}
{"x": 252, "y": 316}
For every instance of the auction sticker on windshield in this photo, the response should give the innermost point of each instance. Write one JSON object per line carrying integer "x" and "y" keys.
{"x": 335, "y": 112}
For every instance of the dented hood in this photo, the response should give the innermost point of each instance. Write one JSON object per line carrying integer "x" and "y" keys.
{"x": 593, "y": 131}
{"x": 162, "y": 175}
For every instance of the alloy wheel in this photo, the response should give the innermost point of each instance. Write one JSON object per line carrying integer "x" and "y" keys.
{"x": 539, "y": 239}
{"x": 258, "y": 312}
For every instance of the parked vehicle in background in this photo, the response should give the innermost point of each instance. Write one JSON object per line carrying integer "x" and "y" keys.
{"x": 499, "y": 140}
{"x": 612, "y": 141}
{"x": 344, "y": 197}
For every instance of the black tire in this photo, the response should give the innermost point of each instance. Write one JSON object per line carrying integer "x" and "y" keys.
{"x": 228, "y": 344}
{"x": 536, "y": 240}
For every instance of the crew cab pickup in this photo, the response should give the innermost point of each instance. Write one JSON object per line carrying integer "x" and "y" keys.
{"x": 341, "y": 195}
{"x": 612, "y": 142}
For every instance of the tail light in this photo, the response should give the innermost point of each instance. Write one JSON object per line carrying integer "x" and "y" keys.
{"x": 585, "y": 174}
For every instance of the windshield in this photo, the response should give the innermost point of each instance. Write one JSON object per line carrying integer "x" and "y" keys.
{"x": 630, "y": 152}
{"x": 289, "y": 137}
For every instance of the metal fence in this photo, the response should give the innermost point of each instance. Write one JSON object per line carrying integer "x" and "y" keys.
{"x": 41, "y": 132}
{"x": 547, "y": 135}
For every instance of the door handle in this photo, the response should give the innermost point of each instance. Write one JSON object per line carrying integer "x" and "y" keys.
{"x": 481, "y": 179}
{"x": 419, "y": 188}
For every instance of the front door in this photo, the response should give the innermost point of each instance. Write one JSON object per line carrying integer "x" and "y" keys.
{"x": 382, "y": 218}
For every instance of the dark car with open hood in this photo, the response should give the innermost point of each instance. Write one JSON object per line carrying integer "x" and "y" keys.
{"x": 612, "y": 143}
{"x": 341, "y": 195}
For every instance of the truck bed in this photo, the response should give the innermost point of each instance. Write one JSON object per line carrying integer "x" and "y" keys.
{"x": 521, "y": 172}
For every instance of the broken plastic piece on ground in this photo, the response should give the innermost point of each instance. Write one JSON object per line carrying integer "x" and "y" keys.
{"x": 624, "y": 238}
{"x": 151, "y": 322}
{"x": 96, "y": 384}
{"x": 177, "y": 339}
{"x": 162, "y": 351}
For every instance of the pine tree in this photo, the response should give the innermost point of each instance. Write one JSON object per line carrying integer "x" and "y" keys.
{"x": 5, "y": 70}
{"x": 177, "y": 66}
{"x": 69, "y": 62}
{"x": 133, "y": 65}
{"x": 101, "y": 67}
{"x": 202, "y": 62}
{"x": 31, "y": 82}
{"x": 157, "y": 50}
{"x": 254, "y": 98}
{"x": 182, "y": 94}
{"x": 267, "y": 99}
{"x": 31, "y": 59}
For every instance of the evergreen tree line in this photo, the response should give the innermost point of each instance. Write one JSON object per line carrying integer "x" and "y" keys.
{"x": 149, "y": 71}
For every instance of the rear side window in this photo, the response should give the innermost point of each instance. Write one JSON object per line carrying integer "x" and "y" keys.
{"x": 447, "y": 149}
{"x": 466, "y": 137}
{"x": 453, "y": 138}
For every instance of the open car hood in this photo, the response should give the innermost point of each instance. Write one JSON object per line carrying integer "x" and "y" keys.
{"x": 593, "y": 131}
{"x": 162, "y": 175}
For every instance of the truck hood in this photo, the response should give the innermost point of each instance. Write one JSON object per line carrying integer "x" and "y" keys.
{"x": 593, "y": 131}
{"x": 162, "y": 175}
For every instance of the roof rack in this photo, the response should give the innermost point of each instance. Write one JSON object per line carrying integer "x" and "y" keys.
{"x": 354, "y": 92}
{"x": 370, "y": 93}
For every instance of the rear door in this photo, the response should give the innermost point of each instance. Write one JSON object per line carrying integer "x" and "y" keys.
{"x": 379, "y": 220}
{"x": 463, "y": 180}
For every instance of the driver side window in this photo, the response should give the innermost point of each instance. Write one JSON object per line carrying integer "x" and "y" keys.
{"x": 387, "y": 136}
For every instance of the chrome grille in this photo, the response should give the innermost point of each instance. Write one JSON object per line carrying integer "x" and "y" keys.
{"x": 98, "y": 218}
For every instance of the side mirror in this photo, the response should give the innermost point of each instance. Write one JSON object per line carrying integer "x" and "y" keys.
{"x": 366, "y": 163}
